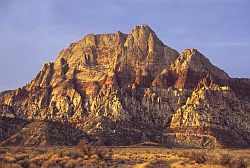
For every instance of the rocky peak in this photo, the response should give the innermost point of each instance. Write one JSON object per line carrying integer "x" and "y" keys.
{"x": 144, "y": 37}
{"x": 194, "y": 60}
{"x": 123, "y": 87}
{"x": 191, "y": 66}
{"x": 141, "y": 31}
{"x": 89, "y": 40}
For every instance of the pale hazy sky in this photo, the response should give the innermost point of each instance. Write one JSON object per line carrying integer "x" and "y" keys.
{"x": 34, "y": 31}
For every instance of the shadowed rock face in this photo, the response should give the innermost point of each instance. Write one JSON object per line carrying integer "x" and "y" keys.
{"x": 129, "y": 88}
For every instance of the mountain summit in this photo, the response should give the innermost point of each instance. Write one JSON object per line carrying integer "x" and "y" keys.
{"x": 125, "y": 89}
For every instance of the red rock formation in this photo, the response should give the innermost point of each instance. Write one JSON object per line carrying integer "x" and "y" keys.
{"x": 134, "y": 87}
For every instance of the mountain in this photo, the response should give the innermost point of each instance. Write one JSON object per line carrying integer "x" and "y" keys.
{"x": 125, "y": 89}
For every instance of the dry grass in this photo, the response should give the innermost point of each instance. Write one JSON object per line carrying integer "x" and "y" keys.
{"x": 223, "y": 158}
{"x": 83, "y": 155}
{"x": 88, "y": 155}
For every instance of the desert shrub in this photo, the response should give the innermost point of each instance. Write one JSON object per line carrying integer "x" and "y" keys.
{"x": 159, "y": 163}
{"x": 8, "y": 159}
{"x": 198, "y": 157}
{"x": 240, "y": 163}
{"x": 100, "y": 153}
{"x": 109, "y": 154}
{"x": 10, "y": 165}
{"x": 39, "y": 159}
{"x": 33, "y": 165}
{"x": 90, "y": 149}
{"x": 41, "y": 151}
{"x": 214, "y": 158}
{"x": 234, "y": 162}
{"x": 52, "y": 162}
{"x": 72, "y": 154}
{"x": 25, "y": 163}
{"x": 18, "y": 149}
{"x": 70, "y": 164}
{"x": 22, "y": 156}
{"x": 64, "y": 160}
{"x": 182, "y": 154}
{"x": 226, "y": 159}
{"x": 121, "y": 161}
{"x": 74, "y": 163}
{"x": 85, "y": 148}
{"x": 3, "y": 151}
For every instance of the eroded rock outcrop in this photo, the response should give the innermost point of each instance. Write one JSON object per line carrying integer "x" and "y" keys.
{"x": 130, "y": 88}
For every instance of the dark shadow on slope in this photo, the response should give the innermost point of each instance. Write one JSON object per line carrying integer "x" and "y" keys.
{"x": 40, "y": 133}
{"x": 10, "y": 126}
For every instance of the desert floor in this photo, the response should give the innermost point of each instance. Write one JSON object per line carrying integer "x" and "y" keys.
{"x": 122, "y": 157}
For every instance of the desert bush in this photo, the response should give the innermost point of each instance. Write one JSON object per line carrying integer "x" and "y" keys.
{"x": 41, "y": 151}
{"x": 52, "y": 162}
{"x": 38, "y": 160}
{"x": 90, "y": 149}
{"x": 70, "y": 164}
{"x": 103, "y": 154}
{"x": 8, "y": 159}
{"x": 240, "y": 163}
{"x": 109, "y": 154}
{"x": 100, "y": 153}
{"x": 214, "y": 158}
{"x": 21, "y": 156}
{"x": 226, "y": 159}
{"x": 72, "y": 154}
{"x": 25, "y": 163}
{"x": 85, "y": 147}
{"x": 74, "y": 163}
{"x": 10, "y": 165}
{"x": 198, "y": 157}
{"x": 18, "y": 149}
{"x": 3, "y": 151}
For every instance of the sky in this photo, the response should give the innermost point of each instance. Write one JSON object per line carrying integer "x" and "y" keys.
{"x": 33, "y": 32}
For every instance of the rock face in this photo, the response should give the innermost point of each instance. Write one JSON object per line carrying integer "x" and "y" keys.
{"x": 130, "y": 88}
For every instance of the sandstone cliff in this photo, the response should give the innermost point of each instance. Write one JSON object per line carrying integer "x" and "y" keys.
{"x": 129, "y": 88}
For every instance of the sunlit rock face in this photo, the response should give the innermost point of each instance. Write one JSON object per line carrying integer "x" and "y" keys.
{"x": 127, "y": 88}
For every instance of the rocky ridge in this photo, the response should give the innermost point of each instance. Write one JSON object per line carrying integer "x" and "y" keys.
{"x": 128, "y": 88}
